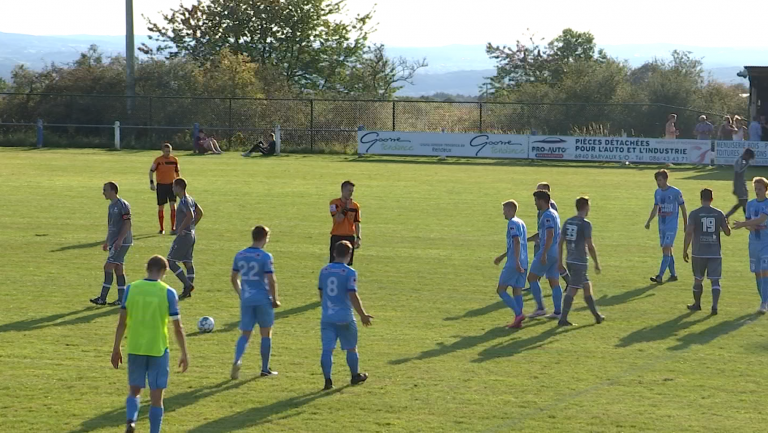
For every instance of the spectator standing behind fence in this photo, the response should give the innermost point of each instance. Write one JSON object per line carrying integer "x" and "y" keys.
{"x": 671, "y": 132}
{"x": 204, "y": 144}
{"x": 726, "y": 130}
{"x": 267, "y": 150}
{"x": 703, "y": 130}
{"x": 741, "y": 128}
{"x": 755, "y": 131}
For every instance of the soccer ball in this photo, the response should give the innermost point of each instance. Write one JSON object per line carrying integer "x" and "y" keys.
{"x": 205, "y": 324}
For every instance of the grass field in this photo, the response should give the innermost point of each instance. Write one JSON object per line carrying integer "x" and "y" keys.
{"x": 438, "y": 355}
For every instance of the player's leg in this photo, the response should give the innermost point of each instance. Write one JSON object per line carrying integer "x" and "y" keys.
{"x": 666, "y": 251}
{"x": 505, "y": 281}
{"x": 181, "y": 252}
{"x": 157, "y": 375}
{"x": 553, "y": 276}
{"x": 137, "y": 380}
{"x": 120, "y": 277}
{"x": 351, "y": 240}
{"x": 328, "y": 337}
{"x": 699, "y": 267}
{"x": 577, "y": 282}
{"x": 517, "y": 291}
{"x": 743, "y": 203}
{"x": 764, "y": 281}
{"x": 714, "y": 272}
{"x": 172, "y": 207}
{"x": 348, "y": 339}
{"x": 247, "y": 323}
{"x": 266, "y": 319}
{"x": 534, "y": 275}
{"x": 589, "y": 299}
{"x": 672, "y": 270}
{"x": 334, "y": 241}
{"x": 109, "y": 269}
{"x": 161, "y": 216}
{"x": 190, "y": 267}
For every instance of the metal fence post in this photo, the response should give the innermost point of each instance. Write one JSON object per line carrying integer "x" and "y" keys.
{"x": 394, "y": 117}
{"x": 117, "y": 135}
{"x": 39, "y": 133}
{"x": 195, "y": 133}
{"x": 230, "y": 121}
{"x": 278, "y": 139}
{"x": 311, "y": 125}
{"x": 481, "y": 118}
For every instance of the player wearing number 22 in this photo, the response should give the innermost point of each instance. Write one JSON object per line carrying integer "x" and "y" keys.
{"x": 338, "y": 296}
{"x": 704, "y": 229}
{"x": 668, "y": 202}
{"x": 253, "y": 278}
{"x": 757, "y": 224}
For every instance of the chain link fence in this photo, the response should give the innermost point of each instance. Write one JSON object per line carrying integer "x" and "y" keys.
{"x": 309, "y": 125}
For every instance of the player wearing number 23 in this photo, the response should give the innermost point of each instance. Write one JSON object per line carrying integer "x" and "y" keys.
{"x": 253, "y": 278}
{"x": 338, "y": 295}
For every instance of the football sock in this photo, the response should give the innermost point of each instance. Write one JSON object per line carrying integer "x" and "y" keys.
{"x": 353, "y": 361}
{"x": 672, "y": 271}
{"x": 759, "y": 290}
{"x": 326, "y": 361}
{"x": 179, "y": 273}
{"x": 519, "y": 305}
{"x": 591, "y": 304}
{"x": 155, "y": 419}
{"x": 132, "y": 408}
{"x": 664, "y": 266}
{"x": 508, "y": 301}
{"x": 120, "y": 287}
{"x": 764, "y": 288}
{"x": 161, "y": 218}
{"x": 107, "y": 285}
{"x": 173, "y": 218}
{"x": 190, "y": 272}
{"x": 568, "y": 302}
{"x": 715, "y": 293}
{"x": 536, "y": 292}
{"x": 557, "y": 299}
{"x": 242, "y": 343}
{"x": 698, "y": 289}
{"x": 266, "y": 349}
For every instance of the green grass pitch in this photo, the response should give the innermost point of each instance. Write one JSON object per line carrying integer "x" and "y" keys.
{"x": 438, "y": 355}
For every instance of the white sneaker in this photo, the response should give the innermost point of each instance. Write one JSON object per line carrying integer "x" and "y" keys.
{"x": 245, "y": 155}
{"x": 236, "y": 370}
{"x": 537, "y": 313}
{"x": 553, "y": 316}
{"x": 763, "y": 309}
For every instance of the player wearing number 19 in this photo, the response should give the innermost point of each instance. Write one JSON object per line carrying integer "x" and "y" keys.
{"x": 253, "y": 278}
{"x": 704, "y": 229}
{"x": 338, "y": 296}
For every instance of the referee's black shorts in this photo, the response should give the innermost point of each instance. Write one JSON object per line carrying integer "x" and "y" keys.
{"x": 165, "y": 193}
{"x": 335, "y": 239}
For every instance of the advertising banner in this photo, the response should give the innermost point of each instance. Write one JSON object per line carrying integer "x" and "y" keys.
{"x": 620, "y": 149}
{"x": 726, "y": 152}
{"x": 440, "y": 144}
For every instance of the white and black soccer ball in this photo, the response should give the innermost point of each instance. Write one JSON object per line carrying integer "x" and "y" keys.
{"x": 205, "y": 324}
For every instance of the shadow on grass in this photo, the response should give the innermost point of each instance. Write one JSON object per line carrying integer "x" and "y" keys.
{"x": 623, "y": 298}
{"x": 256, "y": 416}
{"x": 720, "y": 173}
{"x": 94, "y": 244}
{"x": 53, "y": 320}
{"x": 482, "y": 311}
{"x": 515, "y": 347}
{"x": 116, "y": 417}
{"x": 659, "y": 332}
{"x": 280, "y": 314}
{"x": 462, "y": 343}
{"x": 710, "y": 334}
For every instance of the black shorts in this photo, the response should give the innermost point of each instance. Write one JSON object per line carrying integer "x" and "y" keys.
{"x": 336, "y": 239}
{"x": 165, "y": 193}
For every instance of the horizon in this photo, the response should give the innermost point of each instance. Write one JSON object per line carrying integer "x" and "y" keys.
{"x": 438, "y": 30}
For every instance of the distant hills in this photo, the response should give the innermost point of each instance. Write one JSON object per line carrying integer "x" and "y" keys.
{"x": 455, "y": 69}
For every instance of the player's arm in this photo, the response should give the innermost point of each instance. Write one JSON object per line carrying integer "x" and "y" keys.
{"x": 534, "y": 238}
{"x": 687, "y": 241}
{"x": 593, "y": 253}
{"x": 198, "y": 214}
{"x": 560, "y": 263}
{"x": 358, "y": 305}
{"x": 516, "y": 248}
{"x": 235, "y": 280}
{"x": 337, "y": 213}
{"x": 754, "y": 222}
{"x": 547, "y": 244}
{"x": 272, "y": 283}
{"x": 654, "y": 211}
{"x": 124, "y": 231}
{"x": 117, "y": 354}
{"x": 178, "y": 328}
{"x": 152, "y": 176}
{"x": 685, "y": 215}
{"x": 724, "y": 227}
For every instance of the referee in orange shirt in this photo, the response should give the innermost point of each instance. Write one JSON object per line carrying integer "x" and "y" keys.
{"x": 346, "y": 219}
{"x": 166, "y": 167}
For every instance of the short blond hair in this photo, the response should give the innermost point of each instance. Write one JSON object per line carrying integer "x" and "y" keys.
{"x": 545, "y": 186}
{"x": 510, "y": 204}
{"x": 761, "y": 180}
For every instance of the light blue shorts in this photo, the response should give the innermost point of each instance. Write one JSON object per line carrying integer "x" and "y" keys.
{"x": 346, "y": 333}
{"x": 143, "y": 368}
{"x": 250, "y": 315}
{"x": 511, "y": 278}
{"x": 667, "y": 237}
{"x": 549, "y": 270}
{"x": 758, "y": 258}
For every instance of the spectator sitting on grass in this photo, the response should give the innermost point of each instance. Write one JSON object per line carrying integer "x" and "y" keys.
{"x": 267, "y": 150}
{"x": 205, "y": 144}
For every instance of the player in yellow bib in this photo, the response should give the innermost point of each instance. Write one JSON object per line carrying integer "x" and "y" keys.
{"x": 147, "y": 306}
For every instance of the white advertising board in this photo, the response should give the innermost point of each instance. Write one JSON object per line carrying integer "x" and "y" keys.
{"x": 439, "y": 144}
{"x": 726, "y": 152}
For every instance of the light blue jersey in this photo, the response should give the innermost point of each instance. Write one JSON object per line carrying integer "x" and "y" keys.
{"x": 516, "y": 229}
{"x": 336, "y": 281}
{"x": 254, "y": 264}
{"x": 669, "y": 201}
{"x": 550, "y": 219}
{"x": 758, "y": 237}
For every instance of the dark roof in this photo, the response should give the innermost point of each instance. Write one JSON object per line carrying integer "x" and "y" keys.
{"x": 757, "y": 71}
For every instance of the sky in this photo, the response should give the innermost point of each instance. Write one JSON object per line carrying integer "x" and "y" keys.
{"x": 429, "y": 23}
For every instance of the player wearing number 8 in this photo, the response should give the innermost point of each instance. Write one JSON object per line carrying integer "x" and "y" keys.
{"x": 705, "y": 224}
{"x": 253, "y": 278}
{"x": 338, "y": 295}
